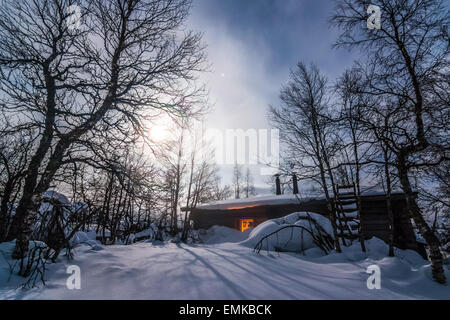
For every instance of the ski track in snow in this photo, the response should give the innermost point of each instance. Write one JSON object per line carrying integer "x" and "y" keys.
{"x": 231, "y": 271}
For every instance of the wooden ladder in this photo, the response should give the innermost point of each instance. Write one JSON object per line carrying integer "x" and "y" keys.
{"x": 347, "y": 213}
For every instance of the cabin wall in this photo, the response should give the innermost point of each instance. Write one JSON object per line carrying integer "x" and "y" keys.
{"x": 204, "y": 219}
{"x": 374, "y": 221}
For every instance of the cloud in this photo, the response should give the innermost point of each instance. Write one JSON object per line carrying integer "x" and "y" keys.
{"x": 251, "y": 46}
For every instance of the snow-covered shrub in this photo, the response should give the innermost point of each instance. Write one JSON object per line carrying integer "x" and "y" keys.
{"x": 81, "y": 237}
{"x": 58, "y": 223}
{"x": 147, "y": 234}
{"x": 158, "y": 232}
{"x": 56, "y": 208}
{"x": 295, "y": 232}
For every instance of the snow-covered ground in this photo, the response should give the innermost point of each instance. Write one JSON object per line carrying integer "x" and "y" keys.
{"x": 229, "y": 270}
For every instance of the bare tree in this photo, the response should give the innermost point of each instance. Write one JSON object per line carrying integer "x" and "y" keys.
{"x": 14, "y": 157}
{"x": 303, "y": 121}
{"x": 129, "y": 56}
{"x": 407, "y": 59}
{"x": 219, "y": 191}
{"x": 200, "y": 186}
{"x": 237, "y": 180}
{"x": 249, "y": 187}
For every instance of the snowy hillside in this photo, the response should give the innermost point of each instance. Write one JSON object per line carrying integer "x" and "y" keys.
{"x": 229, "y": 271}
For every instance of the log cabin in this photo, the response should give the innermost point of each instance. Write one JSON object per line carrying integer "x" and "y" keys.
{"x": 242, "y": 214}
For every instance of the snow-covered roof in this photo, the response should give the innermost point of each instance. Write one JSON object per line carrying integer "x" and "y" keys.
{"x": 271, "y": 200}
{"x": 54, "y": 195}
{"x": 252, "y": 202}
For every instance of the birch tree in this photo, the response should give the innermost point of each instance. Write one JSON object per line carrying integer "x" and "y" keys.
{"x": 126, "y": 58}
{"x": 406, "y": 61}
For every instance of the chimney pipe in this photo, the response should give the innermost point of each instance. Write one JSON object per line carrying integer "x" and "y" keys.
{"x": 278, "y": 185}
{"x": 295, "y": 183}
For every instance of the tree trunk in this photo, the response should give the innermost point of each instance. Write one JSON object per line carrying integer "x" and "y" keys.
{"x": 435, "y": 255}
{"x": 29, "y": 202}
{"x": 26, "y": 228}
{"x": 330, "y": 206}
{"x": 4, "y": 208}
{"x": 389, "y": 204}
{"x": 358, "y": 187}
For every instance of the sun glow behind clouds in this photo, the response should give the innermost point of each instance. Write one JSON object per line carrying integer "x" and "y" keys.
{"x": 158, "y": 133}
{"x": 161, "y": 129}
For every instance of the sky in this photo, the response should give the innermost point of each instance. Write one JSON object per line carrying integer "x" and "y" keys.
{"x": 251, "y": 46}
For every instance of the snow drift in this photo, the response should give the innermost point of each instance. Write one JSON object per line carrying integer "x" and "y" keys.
{"x": 221, "y": 234}
{"x": 295, "y": 232}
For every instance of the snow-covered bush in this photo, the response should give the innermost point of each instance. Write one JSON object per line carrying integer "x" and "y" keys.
{"x": 81, "y": 237}
{"x": 57, "y": 204}
{"x": 152, "y": 233}
{"x": 221, "y": 234}
{"x": 295, "y": 232}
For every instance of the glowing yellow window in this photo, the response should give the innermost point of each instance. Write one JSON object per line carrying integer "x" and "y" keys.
{"x": 246, "y": 223}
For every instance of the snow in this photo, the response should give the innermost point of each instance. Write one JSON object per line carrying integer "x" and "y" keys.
{"x": 253, "y": 202}
{"x": 273, "y": 200}
{"x": 220, "y": 234}
{"x": 7, "y": 278}
{"x": 150, "y": 232}
{"x": 349, "y": 206}
{"x": 288, "y": 239}
{"x": 54, "y": 195}
{"x": 81, "y": 237}
{"x": 353, "y": 214}
{"x": 228, "y": 271}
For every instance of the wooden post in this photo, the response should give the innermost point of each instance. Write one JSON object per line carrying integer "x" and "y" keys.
{"x": 295, "y": 183}
{"x": 278, "y": 185}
